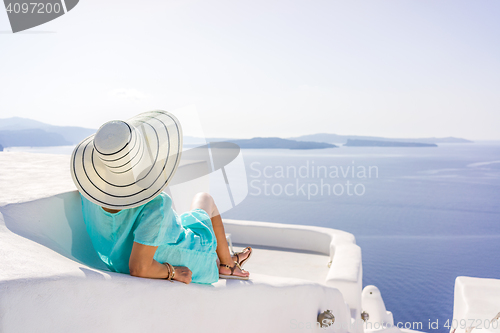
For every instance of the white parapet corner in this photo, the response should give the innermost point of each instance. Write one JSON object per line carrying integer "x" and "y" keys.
{"x": 476, "y": 307}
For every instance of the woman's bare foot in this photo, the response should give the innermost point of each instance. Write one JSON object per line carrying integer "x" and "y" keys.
{"x": 237, "y": 271}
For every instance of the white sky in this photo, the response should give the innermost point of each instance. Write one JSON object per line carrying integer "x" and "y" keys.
{"x": 393, "y": 68}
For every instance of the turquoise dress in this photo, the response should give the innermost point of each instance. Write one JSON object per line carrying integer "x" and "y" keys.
{"x": 183, "y": 240}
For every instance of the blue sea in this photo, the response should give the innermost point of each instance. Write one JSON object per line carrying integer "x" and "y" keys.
{"x": 422, "y": 217}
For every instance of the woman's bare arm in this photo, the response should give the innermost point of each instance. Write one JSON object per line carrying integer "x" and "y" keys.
{"x": 142, "y": 264}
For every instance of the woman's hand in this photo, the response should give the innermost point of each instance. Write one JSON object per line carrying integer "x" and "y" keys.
{"x": 182, "y": 274}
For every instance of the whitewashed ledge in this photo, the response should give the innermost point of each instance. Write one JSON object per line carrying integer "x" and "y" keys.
{"x": 51, "y": 279}
{"x": 476, "y": 305}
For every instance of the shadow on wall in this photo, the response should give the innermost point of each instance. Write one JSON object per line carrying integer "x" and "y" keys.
{"x": 57, "y": 223}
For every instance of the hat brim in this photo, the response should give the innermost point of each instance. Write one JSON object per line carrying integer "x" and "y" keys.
{"x": 137, "y": 184}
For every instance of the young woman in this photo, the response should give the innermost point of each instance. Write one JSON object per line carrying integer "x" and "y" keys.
{"x": 120, "y": 173}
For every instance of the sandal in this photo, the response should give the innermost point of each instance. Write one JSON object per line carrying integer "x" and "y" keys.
{"x": 232, "y": 276}
{"x": 241, "y": 252}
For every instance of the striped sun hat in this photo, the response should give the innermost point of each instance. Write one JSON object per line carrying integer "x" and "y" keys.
{"x": 127, "y": 163}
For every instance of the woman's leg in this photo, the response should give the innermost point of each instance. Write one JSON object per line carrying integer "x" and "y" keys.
{"x": 206, "y": 202}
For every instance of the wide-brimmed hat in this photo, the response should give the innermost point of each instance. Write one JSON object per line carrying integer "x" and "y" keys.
{"x": 128, "y": 163}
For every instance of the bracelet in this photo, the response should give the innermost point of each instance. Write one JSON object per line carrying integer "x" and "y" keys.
{"x": 171, "y": 271}
{"x": 169, "y": 277}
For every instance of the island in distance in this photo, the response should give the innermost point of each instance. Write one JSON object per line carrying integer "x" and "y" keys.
{"x": 374, "y": 143}
{"x": 279, "y": 143}
{"x": 336, "y": 138}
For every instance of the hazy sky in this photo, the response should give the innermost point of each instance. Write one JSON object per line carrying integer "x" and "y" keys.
{"x": 390, "y": 68}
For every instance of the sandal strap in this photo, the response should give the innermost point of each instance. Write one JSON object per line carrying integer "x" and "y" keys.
{"x": 241, "y": 252}
{"x": 237, "y": 264}
{"x": 232, "y": 268}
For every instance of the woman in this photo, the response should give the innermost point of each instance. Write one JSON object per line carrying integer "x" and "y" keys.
{"x": 120, "y": 173}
